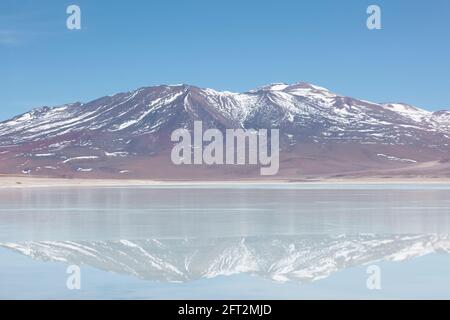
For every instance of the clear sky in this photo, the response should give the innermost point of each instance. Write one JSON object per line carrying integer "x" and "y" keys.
{"x": 226, "y": 45}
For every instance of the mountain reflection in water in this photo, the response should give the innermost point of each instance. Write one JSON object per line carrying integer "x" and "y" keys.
{"x": 302, "y": 258}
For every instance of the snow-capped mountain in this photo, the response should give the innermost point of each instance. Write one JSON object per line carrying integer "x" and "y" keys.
{"x": 321, "y": 133}
{"x": 280, "y": 258}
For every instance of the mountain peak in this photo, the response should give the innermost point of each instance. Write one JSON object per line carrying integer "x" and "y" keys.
{"x": 280, "y": 86}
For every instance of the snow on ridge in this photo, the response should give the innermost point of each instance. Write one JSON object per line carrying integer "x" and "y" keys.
{"x": 236, "y": 106}
{"x": 392, "y": 158}
{"x": 411, "y": 112}
{"x": 318, "y": 87}
{"x": 442, "y": 118}
{"x": 44, "y": 154}
{"x": 216, "y": 92}
{"x": 277, "y": 86}
{"x": 280, "y": 86}
{"x": 116, "y": 154}
{"x": 152, "y": 107}
{"x": 80, "y": 158}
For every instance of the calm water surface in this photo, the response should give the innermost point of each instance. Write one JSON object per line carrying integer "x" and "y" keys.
{"x": 221, "y": 241}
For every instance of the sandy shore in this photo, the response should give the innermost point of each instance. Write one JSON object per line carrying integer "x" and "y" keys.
{"x": 33, "y": 182}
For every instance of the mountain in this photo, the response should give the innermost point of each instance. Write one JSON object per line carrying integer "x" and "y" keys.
{"x": 279, "y": 258}
{"x": 322, "y": 134}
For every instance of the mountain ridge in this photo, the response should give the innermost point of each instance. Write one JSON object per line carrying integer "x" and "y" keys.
{"x": 321, "y": 133}
{"x": 264, "y": 87}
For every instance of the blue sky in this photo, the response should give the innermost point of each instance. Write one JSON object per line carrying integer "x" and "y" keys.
{"x": 226, "y": 45}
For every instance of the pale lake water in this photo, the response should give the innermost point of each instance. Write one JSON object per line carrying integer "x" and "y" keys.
{"x": 277, "y": 241}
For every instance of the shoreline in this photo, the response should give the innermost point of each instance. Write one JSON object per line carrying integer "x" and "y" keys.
{"x": 7, "y": 182}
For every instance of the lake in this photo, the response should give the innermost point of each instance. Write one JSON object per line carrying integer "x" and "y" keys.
{"x": 252, "y": 241}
